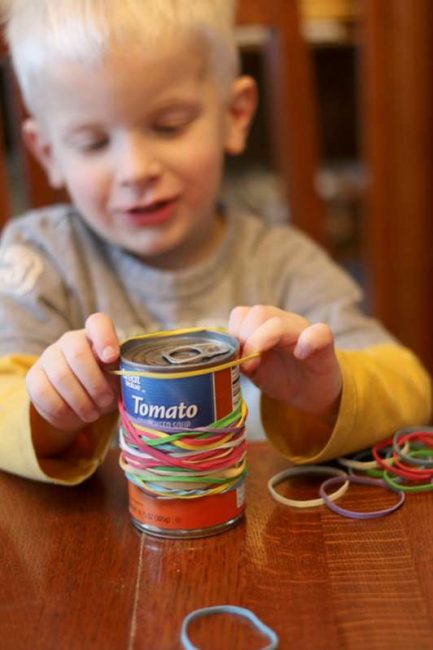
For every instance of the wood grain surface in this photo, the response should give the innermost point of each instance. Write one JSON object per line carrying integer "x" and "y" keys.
{"x": 76, "y": 575}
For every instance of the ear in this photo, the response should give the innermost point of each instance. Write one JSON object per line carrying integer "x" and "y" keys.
{"x": 39, "y": 144}
{"x": 241, "y": 106}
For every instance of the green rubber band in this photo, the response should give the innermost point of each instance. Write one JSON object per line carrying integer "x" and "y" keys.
{"x": 426, "y": 452}
{"x": 199, "y": 435}
{"x": 187, "y": 479}
{"x": 398, "y": 487}
{"x": 374, "y": 473}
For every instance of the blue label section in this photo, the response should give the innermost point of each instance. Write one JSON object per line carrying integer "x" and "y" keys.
{"x": 169, "y": 403}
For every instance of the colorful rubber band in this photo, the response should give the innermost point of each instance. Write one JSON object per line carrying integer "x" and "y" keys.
{"x": 397, "y": 486}
{"x": 412, "y": 434}
{"x": 407, "y": 474}
{"x": 368, "y": 467}
{"x": 401, "y": 487}
{"x": 227, "y": 609}
{"x": 211, "y": 462}
{"x": 302, "y": 471}
{"x": 360, "y": 480}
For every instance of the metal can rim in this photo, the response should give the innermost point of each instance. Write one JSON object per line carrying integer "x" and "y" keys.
{"x": 146, "y": 367}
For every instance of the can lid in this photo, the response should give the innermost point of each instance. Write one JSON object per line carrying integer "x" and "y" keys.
{"x": 194, "y": 353}
{"x": 180, "y": 351}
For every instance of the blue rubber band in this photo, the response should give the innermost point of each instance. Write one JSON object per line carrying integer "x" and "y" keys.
{"x": 227, "y": 609}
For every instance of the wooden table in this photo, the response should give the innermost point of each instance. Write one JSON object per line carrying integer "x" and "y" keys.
{"x": 75, "y": 574}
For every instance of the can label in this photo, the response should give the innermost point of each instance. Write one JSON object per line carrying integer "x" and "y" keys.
{"x": 170, "y": 515}
{"x": 180, "y": 403}
{"x": 186, "y": 403}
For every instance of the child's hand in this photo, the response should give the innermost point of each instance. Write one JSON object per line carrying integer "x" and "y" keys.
{"x": 298, "y": 364}
{"x": 69, "y": 385}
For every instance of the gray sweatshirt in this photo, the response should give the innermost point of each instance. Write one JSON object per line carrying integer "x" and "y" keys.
{"x": 55, "y": 272}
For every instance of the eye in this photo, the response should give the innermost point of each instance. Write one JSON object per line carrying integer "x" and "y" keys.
{"x": 87, "y": 142}
{"x": 169, "y": 129}
{"x": 93, "y": 144}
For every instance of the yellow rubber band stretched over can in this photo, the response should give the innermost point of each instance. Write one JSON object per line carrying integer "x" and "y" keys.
{"x": 184, "y": 373}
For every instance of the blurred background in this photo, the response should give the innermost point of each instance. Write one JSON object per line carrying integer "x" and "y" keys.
{"x": 342, "y": 144}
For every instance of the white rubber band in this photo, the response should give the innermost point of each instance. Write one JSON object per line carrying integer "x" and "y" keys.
{"x": 302, "y": 471}
{"x": 360, "y": 465}
{"x": 363, "y": 465}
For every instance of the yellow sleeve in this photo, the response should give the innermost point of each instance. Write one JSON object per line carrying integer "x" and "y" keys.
{"x": 385, "y": 388}
{"x": 17, "y": 454}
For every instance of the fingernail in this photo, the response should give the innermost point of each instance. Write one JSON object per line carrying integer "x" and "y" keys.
{"x": 301, "y": 352}
{"x": 109, "y": 354}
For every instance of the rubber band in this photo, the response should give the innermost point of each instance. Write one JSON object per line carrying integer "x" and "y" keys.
{"x": 361, "y": 480}
{"x": 397, "y": 468}
{"x": 163, "y": 466}
{"x": 408, "y": 434}
{"x": 417, "y": 488}
{"x": 403, "y": 473}
{"x": 227, "y": 609}
{"x": 399, "y": 487}
{"x": 183, "y": 373}
{"x": 301, "y": 471}
{"x": 370, "y": 467}
{"x": 363, "y": 465}
{"x": 414, "y": 473}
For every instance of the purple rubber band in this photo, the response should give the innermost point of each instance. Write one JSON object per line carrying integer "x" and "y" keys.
{"x": 361, "y": 480}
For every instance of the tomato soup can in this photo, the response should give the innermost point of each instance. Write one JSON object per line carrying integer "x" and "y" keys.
{"x": 181, "y": 403}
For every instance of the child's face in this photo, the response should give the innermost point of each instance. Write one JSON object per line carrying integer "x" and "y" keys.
{"x": 139, "y": 145}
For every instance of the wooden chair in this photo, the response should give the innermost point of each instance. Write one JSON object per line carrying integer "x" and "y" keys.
{"x": 291, "y": 110}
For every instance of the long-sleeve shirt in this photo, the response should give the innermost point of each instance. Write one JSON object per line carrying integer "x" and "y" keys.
{"x": 55, "y": 272}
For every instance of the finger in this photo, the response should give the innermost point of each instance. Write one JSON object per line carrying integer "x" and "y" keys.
{"x": 315, "y": 345}
{"x": 80, "y": 358}
{"x": 48, "y": 402}
{"x": 267, "y": 336}
{"x": 67, "y": 385}
{"x": 236, "y": 318}
{"x": 253, "y": 333}
{"x": 265, "y": 328}
{"x": 274, "y": 333}
{"x": 269, "y": 328}
{"x": 101, "y": 333}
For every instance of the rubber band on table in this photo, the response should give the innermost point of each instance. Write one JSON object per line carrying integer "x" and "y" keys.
{"x": 402, "y": 473}
{"x": 227, "y": 609}
{"x": 413, "y": 433}
{"x": 361, "y": 480}
{"x": 407, "y": 472}
{"x": 416, "y": 473}
{"x": 357, "y": 463}
{"x": 401, "y": 487}
{"x": 303, "y": 471}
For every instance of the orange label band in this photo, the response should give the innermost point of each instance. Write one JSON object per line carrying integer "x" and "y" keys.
{"x": 181, "y": 514}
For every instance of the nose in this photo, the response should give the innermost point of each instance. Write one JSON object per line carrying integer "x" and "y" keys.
{"x": 137, "y": 163}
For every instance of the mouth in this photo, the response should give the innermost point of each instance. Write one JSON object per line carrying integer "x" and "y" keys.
{"x": 151, "y": 215}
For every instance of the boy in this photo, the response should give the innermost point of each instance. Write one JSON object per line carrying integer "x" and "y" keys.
{"x": 133, "y": 106}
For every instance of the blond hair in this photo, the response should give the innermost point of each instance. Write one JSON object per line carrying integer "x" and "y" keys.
{"x": 86, "y": 31}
